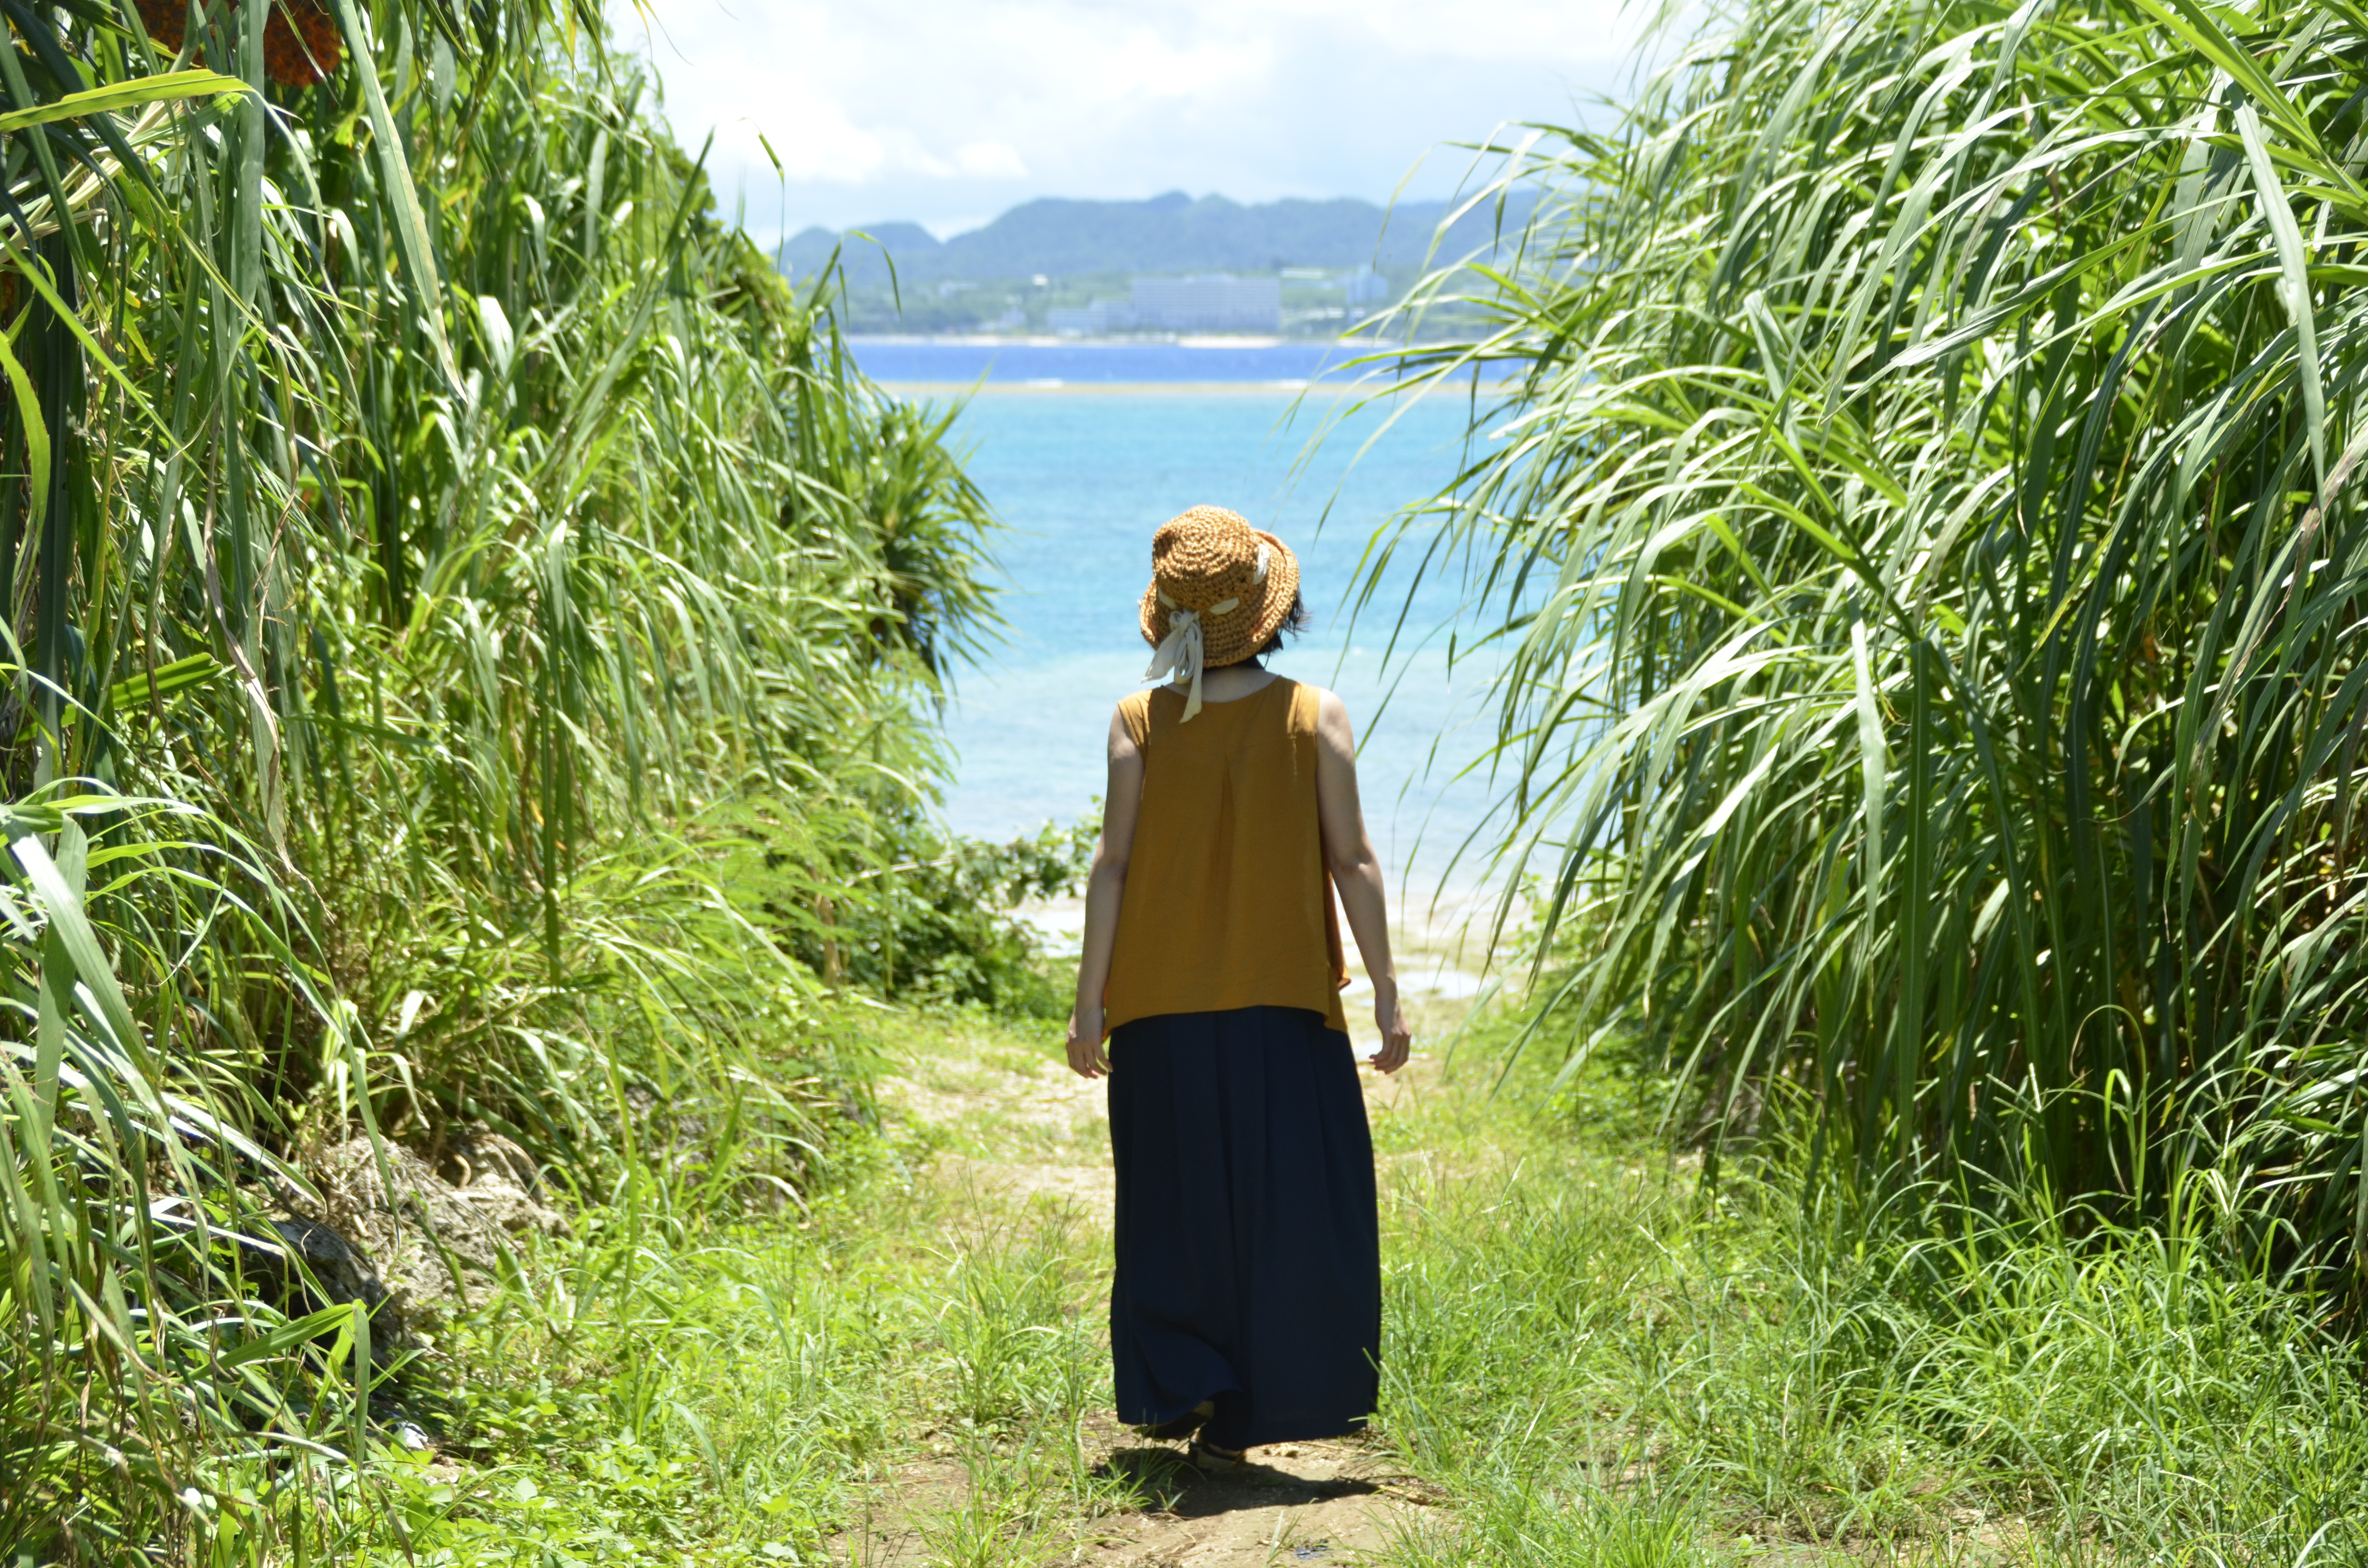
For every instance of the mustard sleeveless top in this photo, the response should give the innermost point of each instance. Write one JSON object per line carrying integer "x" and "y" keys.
{"x": 1228, "y": 903}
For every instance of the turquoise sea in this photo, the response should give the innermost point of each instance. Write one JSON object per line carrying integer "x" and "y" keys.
{"x": 1083, "y": 473}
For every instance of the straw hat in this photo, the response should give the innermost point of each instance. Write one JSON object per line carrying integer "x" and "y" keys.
{"x": 1219, "y": 590}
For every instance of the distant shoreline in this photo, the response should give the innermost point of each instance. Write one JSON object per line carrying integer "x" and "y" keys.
{"x": 1231, "y": 363}
{"x": 1080, "y": 340}
{"x": 1047, "y": 386}
{"x": 1132, "y": 340}
{"x": 1051, "y": 387}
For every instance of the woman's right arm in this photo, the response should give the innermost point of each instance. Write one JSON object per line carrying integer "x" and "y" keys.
{"x": 1104, "y": 888}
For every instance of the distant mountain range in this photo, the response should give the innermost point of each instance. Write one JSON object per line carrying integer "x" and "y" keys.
{"x": 1167, "y": 233}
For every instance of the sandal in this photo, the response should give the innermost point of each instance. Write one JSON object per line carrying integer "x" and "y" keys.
{"x": 1184, "y": 1426}
{"x": 1211, "y": 1460}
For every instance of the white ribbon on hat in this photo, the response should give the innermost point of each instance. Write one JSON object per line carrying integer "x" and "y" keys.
{"x": 1181, "y": 652}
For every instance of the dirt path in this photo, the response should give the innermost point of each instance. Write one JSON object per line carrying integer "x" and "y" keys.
{"x": 1018, "y": 1131}
{"x": 1297, "y": 1503}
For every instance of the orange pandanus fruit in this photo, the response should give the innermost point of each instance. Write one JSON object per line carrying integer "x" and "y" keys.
{"x": 301, "y": 41}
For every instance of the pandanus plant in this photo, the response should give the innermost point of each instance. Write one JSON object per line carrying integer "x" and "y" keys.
{"x": 419, "y": 516}
{"x": 1929, "y": 528}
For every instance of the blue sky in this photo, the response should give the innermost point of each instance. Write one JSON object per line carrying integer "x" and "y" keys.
{"x": 949, "y": 111}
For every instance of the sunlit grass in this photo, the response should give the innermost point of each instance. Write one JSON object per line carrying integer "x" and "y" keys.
{"x": 1927, "y": 543}
{"x": 1606, "y": 1362}
{"x": 908, "y": 1361}
{"x": 1587, "y": 1357}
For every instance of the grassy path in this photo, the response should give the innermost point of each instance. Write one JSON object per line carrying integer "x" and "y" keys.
{"x": 1588, "y": 1361}
{"x": 913, "y": 1372}
{"x": 1023, "y": 1151}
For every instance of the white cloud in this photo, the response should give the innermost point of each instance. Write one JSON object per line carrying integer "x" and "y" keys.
{"x": 990, "y": 160}
{"x": 1143, "y": 64}
{"x": 936, "y": 110}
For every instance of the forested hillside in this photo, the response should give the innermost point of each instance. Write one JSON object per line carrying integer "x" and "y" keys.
{"x": 1170, "y": 234}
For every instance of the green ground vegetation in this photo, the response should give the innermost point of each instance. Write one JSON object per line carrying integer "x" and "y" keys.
{"x": 1592, "y": 1357}
{"x": 682, "y": 1383}
{"x": 1607, "y": 1361}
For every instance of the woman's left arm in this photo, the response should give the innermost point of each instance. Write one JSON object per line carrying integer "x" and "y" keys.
{"x": 1357, "y": 872}
{"x": 1104, "y": 890}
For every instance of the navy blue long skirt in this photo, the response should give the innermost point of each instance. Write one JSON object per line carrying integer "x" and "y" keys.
{"x": 1248, "y": 1250}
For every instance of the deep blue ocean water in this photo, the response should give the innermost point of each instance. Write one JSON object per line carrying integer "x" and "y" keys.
{"x": 1082, "y": 478}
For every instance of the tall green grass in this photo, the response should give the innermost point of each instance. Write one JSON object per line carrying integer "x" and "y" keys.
{"x": 1930, "y": 548}
{"x": 432, "y": 537}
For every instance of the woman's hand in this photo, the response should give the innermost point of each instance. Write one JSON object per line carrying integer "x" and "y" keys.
{"x": 1086, "y": 1057}
{"x": 1397, "y": 1039}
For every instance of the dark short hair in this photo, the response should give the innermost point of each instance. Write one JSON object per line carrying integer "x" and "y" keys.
{"x": 1294, "y": 620}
